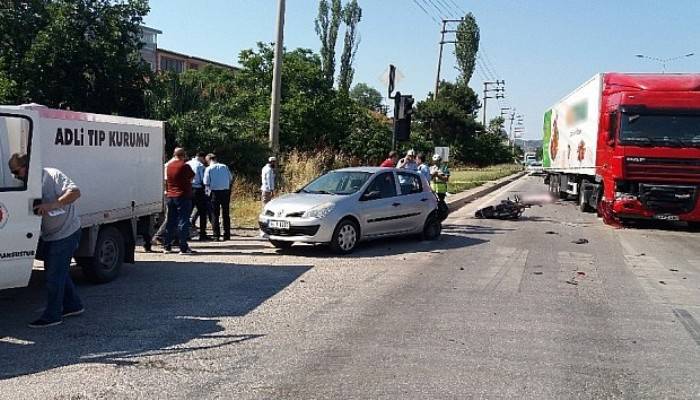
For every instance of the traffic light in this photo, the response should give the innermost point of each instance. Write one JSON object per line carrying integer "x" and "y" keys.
{"x": 402, "y": 121}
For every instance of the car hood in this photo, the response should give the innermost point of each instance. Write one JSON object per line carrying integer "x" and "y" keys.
{"x": 300, "y": 202}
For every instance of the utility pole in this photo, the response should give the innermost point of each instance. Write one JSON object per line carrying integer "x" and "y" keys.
{"x": 277, "y": 80}
{"x": 443, "y": 42}
{"x": 499, "y": 91}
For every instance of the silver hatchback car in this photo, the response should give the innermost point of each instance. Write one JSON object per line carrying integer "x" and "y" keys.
{"x": 345, "y": 206}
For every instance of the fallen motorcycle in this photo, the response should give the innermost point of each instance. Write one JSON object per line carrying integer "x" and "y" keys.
{"x": 507, "y": 209}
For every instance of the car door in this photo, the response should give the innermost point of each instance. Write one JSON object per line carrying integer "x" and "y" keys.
{"x": 415, "y": 202}
{"x": 19, "y": 227}
{"x": 379, "y": 205}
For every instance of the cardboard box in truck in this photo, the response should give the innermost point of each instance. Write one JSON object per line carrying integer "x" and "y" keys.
{"x": 115, "y": 161}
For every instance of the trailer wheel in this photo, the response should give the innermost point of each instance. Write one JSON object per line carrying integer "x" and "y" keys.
{"x": 105, "y": 264}
{"x": 582, "y": 200}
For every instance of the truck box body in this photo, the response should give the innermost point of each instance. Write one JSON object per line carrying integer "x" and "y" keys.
{"x": 115, "y": 161}
{"x": 571, "y": 131}
{"x": 628, "y": 145}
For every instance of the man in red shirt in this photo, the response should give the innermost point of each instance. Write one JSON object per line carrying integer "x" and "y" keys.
{"x": 391, "y": 161}
{"x": 179, "y": 194}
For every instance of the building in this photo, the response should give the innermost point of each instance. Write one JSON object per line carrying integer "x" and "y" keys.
{"x": 167, "y": 60}
{"x": 149, "y": 51}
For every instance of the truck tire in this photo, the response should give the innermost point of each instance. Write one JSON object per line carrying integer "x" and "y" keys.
{"x": 583, "y": 205}
{"x": 694, "y": 226}
{"x": 107, "y": 262}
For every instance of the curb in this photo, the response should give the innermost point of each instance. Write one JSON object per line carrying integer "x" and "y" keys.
{"x": 460, "y": 200}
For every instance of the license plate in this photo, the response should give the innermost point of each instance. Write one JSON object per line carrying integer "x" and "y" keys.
{"x": 666, "y": 217}
{"x": 274, "y": 224}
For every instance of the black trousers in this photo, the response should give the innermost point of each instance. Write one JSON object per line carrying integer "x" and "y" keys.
{"x": 200, "y": 204}
{"x": 221, "y": 200}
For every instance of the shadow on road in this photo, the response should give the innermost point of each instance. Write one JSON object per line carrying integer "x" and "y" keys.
{"x": 154, "y": 308}
{"x": 389, "y": 247}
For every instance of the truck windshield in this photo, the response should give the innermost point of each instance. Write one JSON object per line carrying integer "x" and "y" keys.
{"x": 14, "y": 146}
{"x": 660, "y": 130}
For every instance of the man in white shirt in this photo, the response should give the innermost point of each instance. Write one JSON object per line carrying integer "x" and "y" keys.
{"x": 199, "y": 195}
{"x": 268, "y": 180}
{"x": 218, "y": 180}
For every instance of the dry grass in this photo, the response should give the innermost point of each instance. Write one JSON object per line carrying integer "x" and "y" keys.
{"x": 467, "y": 178}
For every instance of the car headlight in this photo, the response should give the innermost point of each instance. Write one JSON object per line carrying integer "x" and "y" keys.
{"x": 319, "y": 212}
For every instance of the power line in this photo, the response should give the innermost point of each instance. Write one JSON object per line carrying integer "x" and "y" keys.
{"x": 450, "y": 11}
{"x": 458, "y": 7}
{"x": 425, "y": 11}
{"x": 440, "y": 12}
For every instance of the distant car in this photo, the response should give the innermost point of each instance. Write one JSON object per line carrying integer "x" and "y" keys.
{"x": 535, "y": 168}
{"x": 345, "y": 206}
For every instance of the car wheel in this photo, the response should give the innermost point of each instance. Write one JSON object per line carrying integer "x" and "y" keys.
{"x": 105, "y": 265}
{"x": 345, "y": 237}
{"x": 432, "y": 228}
{"x": 280, "y": 244}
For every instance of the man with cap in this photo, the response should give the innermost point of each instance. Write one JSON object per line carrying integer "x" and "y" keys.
{"x": 268, "y": 180}
{"x": 408, "y": 162}
{"x": 218, "y": 180}
{"x": 440, "y": 176}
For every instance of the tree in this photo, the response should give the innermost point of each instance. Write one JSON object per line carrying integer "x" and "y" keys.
{"x": 538, "y": 153}
{"x": 327, "y": 24}
{"x": 367, "y": 96}
{"x": 352, "y": 15}
{"x": 78, "y": 54}
{"x": 467, "y": 46}
{"x": 497, "y": 127}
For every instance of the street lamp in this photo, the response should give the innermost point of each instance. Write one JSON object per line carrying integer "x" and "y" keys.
{"x": 664, "y": 61}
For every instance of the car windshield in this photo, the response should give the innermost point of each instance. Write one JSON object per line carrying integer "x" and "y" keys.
{"x": 337, "y": 182}
{"x": 660, "y": 130}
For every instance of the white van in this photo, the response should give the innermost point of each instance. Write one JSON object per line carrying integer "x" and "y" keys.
{"x": 116, "y": 162}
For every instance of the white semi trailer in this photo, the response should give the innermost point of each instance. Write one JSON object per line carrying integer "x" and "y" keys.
{"x": 116, "y": 162}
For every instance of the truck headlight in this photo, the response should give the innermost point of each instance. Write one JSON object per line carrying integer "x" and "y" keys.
{"x": 319, "y": 212}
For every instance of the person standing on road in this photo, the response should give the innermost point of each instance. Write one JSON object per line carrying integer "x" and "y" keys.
{"x": 440, "y": 176}
{"x": 390, "y": 162}
{"x": 408, "y": 162}
{"x": 179, "y": 193}
{"x": 268, "y": 180}
{"x": 423, "y": 168}
{"x": 200, "y": 196}
{"x": 218, "y": 179}
{"x": 60, "y": 237}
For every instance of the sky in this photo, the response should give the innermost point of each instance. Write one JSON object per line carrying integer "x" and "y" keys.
{"x": 543, "y": 49}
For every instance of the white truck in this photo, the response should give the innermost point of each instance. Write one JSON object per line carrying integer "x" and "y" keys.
{"x": 118, "y": 164}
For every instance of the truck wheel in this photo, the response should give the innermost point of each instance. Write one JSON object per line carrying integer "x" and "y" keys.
{"x": 280, "y": 244}
{"x": 105, "y": 265}
{"x": 582, "y": 201}
{"x": 345, "y": 237}
{"x": 694, "y": 226}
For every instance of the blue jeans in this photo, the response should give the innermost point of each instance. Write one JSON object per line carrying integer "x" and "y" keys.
{"x": 62, "y": 295}
{"x": 179, "y": 211}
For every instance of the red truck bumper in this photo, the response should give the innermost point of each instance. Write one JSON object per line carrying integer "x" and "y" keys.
{"x": 634, "y": 209}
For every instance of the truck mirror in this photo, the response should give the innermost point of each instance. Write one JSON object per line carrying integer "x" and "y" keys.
{"x": 612, "y": 127}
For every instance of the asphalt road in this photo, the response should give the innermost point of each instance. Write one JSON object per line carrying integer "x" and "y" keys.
{"x": 495, "y": 309}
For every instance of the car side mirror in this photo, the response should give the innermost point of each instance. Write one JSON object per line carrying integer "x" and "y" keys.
{"x": 373, "y": 195}
{"x": 612, "y": 127}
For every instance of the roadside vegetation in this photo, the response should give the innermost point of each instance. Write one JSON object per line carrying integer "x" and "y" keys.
{"x": 463, "y": 179}
{"x": 89, "y": 55}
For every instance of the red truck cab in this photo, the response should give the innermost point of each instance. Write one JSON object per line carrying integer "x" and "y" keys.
{"x": 648, "y": 151}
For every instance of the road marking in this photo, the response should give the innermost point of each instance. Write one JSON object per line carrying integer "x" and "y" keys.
{"x": 506, "y": 270}
{"x": 689, "y": 323}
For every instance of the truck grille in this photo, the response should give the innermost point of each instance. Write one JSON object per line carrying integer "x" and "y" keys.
{"x": 668, "y": 198}
{"x": 662, "y": 169}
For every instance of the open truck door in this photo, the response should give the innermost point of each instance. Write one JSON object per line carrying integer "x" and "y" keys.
{"x": 19, "y": 226}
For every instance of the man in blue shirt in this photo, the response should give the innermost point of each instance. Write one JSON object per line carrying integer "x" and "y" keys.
{"x": 199, "y": 195}
{"x": 217, "y": 180}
